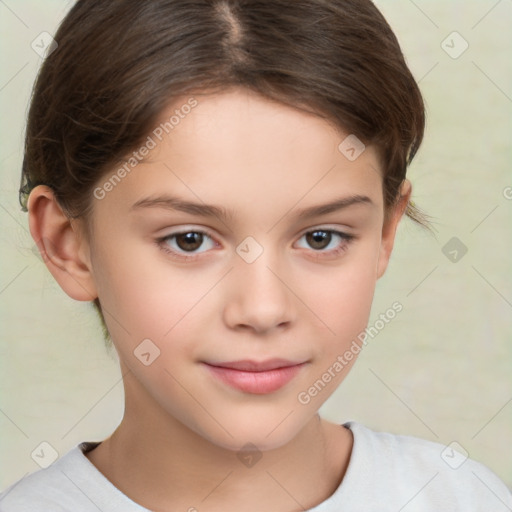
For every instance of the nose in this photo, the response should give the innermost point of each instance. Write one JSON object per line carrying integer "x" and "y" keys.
{"x": 258, "y": 296}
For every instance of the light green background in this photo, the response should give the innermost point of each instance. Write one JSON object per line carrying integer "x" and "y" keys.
{"x": 441, "y": 370}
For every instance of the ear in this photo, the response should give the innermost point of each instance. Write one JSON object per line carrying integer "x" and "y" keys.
{"x": 61, "y": 244}
{"x": 389, "y": 227}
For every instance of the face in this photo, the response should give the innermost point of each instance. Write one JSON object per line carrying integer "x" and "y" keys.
{"x": 260, "y": 276}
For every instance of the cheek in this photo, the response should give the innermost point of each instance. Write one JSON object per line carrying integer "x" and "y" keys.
{"x": 342, "y": 296}
{"x": 144, "y": 296}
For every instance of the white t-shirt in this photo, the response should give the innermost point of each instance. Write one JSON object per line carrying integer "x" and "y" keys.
{"x": 386, "y": 472}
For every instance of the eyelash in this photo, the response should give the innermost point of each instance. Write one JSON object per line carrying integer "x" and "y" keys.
{"x": 162, "y": 242}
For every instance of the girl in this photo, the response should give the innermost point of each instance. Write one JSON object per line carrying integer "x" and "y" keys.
{"x": 224, "y": 180}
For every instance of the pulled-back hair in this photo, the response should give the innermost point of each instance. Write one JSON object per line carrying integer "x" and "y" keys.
{"x": 120, "y": 63}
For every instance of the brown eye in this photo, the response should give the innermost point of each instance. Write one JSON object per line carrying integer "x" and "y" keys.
{"x": 326, "y": 242}
{"x": 189, "y": 241}
{"x": 318, "y": 239}
{"x": 186, "y": 245}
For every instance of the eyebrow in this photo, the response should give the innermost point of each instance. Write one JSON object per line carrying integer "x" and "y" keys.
{"x": 210, "y": 210}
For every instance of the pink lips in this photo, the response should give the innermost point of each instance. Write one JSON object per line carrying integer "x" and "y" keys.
{"x": 256, "y": 377}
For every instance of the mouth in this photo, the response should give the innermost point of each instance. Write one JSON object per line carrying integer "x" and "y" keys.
{"x": 256, "y": 377}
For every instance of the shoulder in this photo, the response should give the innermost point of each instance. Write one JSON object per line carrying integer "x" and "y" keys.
{"x": 422, "y": 473}
{"x": 59, "y": 487}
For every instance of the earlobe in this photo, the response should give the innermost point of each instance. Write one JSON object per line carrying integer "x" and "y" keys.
{"x": 390, "y": 226}
{"x": 60, "y": 244}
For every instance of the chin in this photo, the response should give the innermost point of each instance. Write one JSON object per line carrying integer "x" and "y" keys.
{"x": 267, "y": 434}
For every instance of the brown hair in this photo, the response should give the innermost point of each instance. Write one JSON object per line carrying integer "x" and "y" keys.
{"x": 120, "y": 63}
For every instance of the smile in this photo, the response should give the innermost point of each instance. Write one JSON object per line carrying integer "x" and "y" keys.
{"x": 253, "y": 377}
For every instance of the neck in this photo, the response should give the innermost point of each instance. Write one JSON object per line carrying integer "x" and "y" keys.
{"x": 161, "y": 464}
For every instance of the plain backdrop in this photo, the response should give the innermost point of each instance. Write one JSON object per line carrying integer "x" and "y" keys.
{"x": 440, "y": 370}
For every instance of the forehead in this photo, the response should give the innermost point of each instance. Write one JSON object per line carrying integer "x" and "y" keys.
{"x": 240, "y": 150}
{"x": 250, "y": 126}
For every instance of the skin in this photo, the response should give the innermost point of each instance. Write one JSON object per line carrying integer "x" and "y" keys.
{"x": 176, "y": 447}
